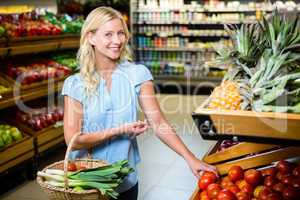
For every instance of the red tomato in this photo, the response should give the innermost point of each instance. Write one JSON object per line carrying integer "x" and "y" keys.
{"x": 234, "y": 189}
{"x": 72, "y": 167}
{"x": 278, "y": 187}
{"x": 257, "y": 191}
{"x": 287, "y": 179}
{"x": 296, "y": 183}
{"x": 284, "y": 167}
{"x": 269, "y": 172}
{"x": 291, "y": 193}
{"x": 213, "y": 190}
{"x": 235, "y": 173}
{"x": 279, "y": 176}
{"x": 263, "y": 195}
{"x": 253, "y": 177}
{"x": 204, "y": 182}
{"x": 204, "y": 196}
{"x": 246, "y": 187}
{"x": 225, "y": 195}
{"x": 225, "y": 182}
{"x": 274, "y": 196}
{"x": 270, "y": 181}
{"x": 210, "y": 175}
{"x": 242, "y": 196}
{"x": 296, "y": 171}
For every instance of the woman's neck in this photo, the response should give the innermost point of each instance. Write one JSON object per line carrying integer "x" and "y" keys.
{"x": 105, "y": 66}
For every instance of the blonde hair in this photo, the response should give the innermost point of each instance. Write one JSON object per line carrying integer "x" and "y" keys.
{"x": 86, "y": 52}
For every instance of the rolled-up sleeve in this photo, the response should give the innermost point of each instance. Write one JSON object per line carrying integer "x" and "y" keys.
{"x": 141, "y": 75}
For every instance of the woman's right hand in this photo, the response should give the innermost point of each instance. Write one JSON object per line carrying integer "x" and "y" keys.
{"x": 133, "y": 129}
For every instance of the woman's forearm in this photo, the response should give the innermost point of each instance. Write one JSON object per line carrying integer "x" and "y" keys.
{"x": 88, "y": 140}
{"x": 168, "y": 136}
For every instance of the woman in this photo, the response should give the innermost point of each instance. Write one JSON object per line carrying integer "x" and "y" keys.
{"x": 101, "y": 101}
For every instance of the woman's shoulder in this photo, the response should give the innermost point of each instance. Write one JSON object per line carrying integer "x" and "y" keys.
{"x": 131, "y": 67}
{"x": 74, "y": 79}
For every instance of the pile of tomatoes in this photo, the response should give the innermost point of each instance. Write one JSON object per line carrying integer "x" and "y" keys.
{"x": 281, "y": 182}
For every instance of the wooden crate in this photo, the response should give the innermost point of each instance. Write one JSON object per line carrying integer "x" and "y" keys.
{"x": 8, "y": 93}
{"x": 16, "y": 153}
{"x": 258, "y": 127}
{"x": 240, "y": 154}
{"x": 36, "y": 85}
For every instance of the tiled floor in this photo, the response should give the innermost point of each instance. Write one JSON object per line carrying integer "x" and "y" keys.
{"x": 163, "y": 174}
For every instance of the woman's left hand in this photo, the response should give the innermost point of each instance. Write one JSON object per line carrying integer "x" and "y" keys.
{"x": 198, "y": 167}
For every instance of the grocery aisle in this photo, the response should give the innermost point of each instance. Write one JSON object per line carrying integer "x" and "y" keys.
{"x": 163, "y": 174}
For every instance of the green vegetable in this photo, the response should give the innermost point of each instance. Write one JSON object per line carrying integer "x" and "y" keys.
{"x": 16, "y": 134}
{"x": 6, "y": 137}
{"x": 105, "y": 178}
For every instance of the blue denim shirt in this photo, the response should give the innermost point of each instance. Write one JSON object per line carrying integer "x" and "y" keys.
{"x": 111, "y": 109}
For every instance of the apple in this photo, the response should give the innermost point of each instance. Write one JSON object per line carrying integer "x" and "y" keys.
{"x": 284, "y": 167}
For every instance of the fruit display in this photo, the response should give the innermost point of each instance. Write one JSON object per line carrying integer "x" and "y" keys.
{"x": 9, "y": 134}
{"x": 28, "y": 24}
{"x": 66, "y": 59}
{"x": 37, "y": 71}
{"x": 264, "y": 68}
{"x": 4, "y": 89}
{"x": 41, "y": 118}
{"x": 276, "y": 183}
{"x": 2, "y": 31}
{"x": 66, "y": 23}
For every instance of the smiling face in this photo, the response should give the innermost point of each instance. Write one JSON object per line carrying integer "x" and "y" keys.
{"x": 109, "y": 39}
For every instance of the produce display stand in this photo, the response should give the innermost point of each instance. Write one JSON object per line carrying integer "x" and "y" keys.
{"x": 34, "y": 143}
{"x": 29, "y": 94}
{"x": 16, "y": 153}
{"x": 18, "y": 46}
{"x": 261, "y": 141}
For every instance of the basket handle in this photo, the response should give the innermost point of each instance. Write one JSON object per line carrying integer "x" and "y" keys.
{"x": 66, "y": 160}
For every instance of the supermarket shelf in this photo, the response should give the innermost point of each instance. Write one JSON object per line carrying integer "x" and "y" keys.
{"x": 168, "y": 34}
{"x": 26, "y": 46}
{"x": 176, "y": 49}
{"x": 29, "y": 95}
{"x": 196, "y": 23}
{"x": 184, "y": 80}
{"x": 224, "y": 10}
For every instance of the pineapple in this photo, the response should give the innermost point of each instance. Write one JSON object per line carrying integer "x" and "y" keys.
{"x": 226, "y": 96}
{"x": 264, "y": 69}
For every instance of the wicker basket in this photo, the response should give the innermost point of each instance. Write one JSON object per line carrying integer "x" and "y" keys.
{"x": 58, "y": 193}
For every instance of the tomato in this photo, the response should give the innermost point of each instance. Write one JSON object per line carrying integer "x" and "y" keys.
{"x": 279, "y": 176}
{"x": 210, "y": 175}
{"x": 287, "y": 179}
{"x": 263, "y": 195}
{"x": 274, "y": 196}
{"x": 270, "y": 181}
{"x": 269, "y": 172}
{"x": 296, "y": 183}
{"x": 226, "y": 195}
{"x": 242, "y": 196}
{"x": 257, "y": 191}
{"x": 204, "y": 182}
{"x": 296, "y": 171}
{"x": 225, "y": 182}
{"x": 72, "y": 167}
{"x": 203, "y": 196}
{"x": 291, "y": 193}
{"x": 278, "y": 187}
{"x": 213, "y": 190}
{"x": 284, "y": 167}
{"x": 246, "y": 187}
{"x": 253, "y": 177}
{"x": 234, "y": 189}
{"x": 235, "y": 173}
